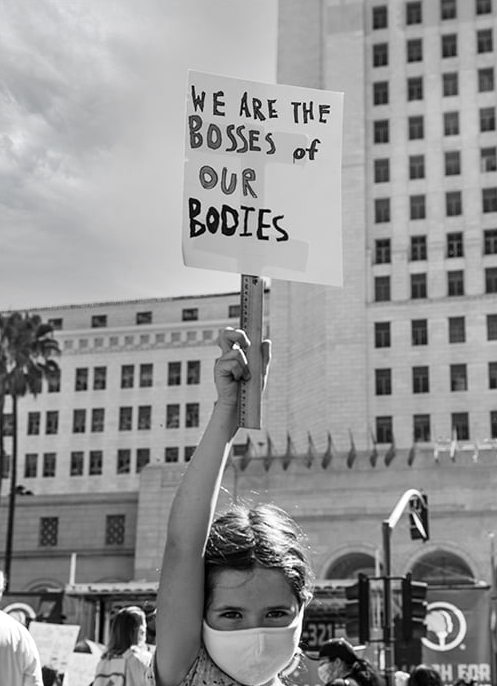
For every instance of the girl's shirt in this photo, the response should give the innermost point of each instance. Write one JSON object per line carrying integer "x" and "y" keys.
{"x": 203, "y": 672}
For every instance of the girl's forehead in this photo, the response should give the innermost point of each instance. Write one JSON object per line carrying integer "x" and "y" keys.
{"x": 232, "y": 585}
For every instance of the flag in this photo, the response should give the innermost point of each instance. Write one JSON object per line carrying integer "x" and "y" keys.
{"x": 352, "y": 454}
{"x": 247, "y": 455}
{"x": 328, "y": 453}
{"x": 412, "y": 454}
{"x": 311, "y": 451}
{"x": 435, "y": 453}
{"x": 289, "y": 453}
{"x": 453, "y": 446}
{"x": 268, "y": 457}
{"x": 476, "y": 453}
{"x": 373, "y": 458}
{"x": 390, "y": 454}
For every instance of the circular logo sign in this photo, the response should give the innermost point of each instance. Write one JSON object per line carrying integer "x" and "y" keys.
{"x": 23, "y": 612}
{"x": 446, "y": 627}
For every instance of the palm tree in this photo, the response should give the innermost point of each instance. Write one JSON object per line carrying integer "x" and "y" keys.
{"x": 26, "y": 348}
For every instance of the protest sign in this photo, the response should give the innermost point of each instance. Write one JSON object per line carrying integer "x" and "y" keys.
{"x": 55, "y": 643}
{"x": 262, "y": 182}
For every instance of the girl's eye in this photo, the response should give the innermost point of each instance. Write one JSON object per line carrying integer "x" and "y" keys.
{"x": 231, "y": 614}
{"x": 277, "y": 614}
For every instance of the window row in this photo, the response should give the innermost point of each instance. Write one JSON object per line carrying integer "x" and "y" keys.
{"x": 175, "y": 338}
{"x": 414, "y": 11}
{"x": 416, "y": 166}
{"x": 115, "y": 531}
{"x": 417, "y": 205}
{"x": 422, "y": 430}
{"x": 99, "y": 321}
{"x": 458, "y": 378}
{"x": 419, "y": 333}
{"x": 143, "y": 378}
{"x": 418, "y": 247}
{"x": 45, "y": 465}
{"x": 419, "y": 285}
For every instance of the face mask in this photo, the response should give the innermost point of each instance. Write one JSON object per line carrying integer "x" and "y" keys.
{"x": 324, "y": 672}
{"x": 253, "y": 656}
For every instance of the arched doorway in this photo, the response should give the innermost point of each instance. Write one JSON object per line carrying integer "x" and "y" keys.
{"x": 350, "y": 565}
{"x": 443, "y": 568}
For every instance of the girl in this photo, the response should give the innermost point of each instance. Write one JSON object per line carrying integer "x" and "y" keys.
{"x": 232, "y": 592}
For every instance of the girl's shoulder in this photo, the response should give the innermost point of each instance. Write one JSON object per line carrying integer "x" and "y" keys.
{"x": 203, "y": 671}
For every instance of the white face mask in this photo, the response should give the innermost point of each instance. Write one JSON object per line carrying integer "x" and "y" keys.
{"x": 324, "y": 672}
{"x": 253, "y": 656}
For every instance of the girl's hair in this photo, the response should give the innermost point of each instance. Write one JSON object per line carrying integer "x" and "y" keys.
{"x": 124, "y": 630}
{"x": 244, "y": 538}
{"x": 424, "y": 675}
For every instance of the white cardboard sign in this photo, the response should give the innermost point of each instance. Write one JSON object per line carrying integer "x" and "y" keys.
{"x": 262, "y": 182}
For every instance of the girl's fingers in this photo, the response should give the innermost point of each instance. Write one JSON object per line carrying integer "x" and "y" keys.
{"x": 228, "y": 338}
{"x": 235, "y": 361}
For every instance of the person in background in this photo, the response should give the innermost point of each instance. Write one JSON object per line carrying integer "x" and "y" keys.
{"x": 233, "y": 588}
{"x": 424, "y": 675}
{"x": 401, "y": 677}
{"x": 19, "y": 658}
{"x": 126, "y": 659}
{"x": 339, "y": 665}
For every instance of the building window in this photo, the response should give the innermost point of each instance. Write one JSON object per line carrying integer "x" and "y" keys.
{"x": 455, "y": 283}
{"x": 492, "y": 376}
{"x": 448, "y": 9}
{"x": 483, "y": 6}
{"x": 380, "y": 93}
{"x": 77, "y": 463}
{"x": 418, "y": 248}
{"x": 193, "y": 372}
{"x": 384, "y": 429}
{"x": 418, "y": 286}
{"x": 33, "y": 423}
{"x": 493, "y": 424}
{"x": 460, "y": 424}
{"x": 490, "y": 241}
{"x": 5, "y": 466}
{"x": 452, "y": 163}
{"x": 48, "y": 532}
{"x": 144, "y": 417}
{"x": 382, "y": 335}
{"x": 380, "y": 17}
{"x": 414, "y": 50}
{"x": 416, "y": 166}
{"x": 484, "y": 41}
{"x": 125, "y": 418}
{"x": 419, "y": 332}
{"x": 382, "y": 251}
{"x": 188, "y": 452}
{"x": 98, "y": 321}
{"x": 30, "y": 465}
{"x": 81, "y": 383}
{"x": 53, "y": 381}
{"x": 99, "y": 378}
{"x": 146, "y": 375}
{"x": 97, "y": 419}
{"x": 451, "y": 123}
{"x": 123, "y": 465}
{"x": 489, "y": 199}
{"x": 381, "y": 288}
{"x": 143, "y": 317}
{"x": 488, "y": 159}
{"x": 421, "y": 427}
{"x": 491, "y": 327}
{"x": 49, "y": 460}
{"x": 491, "y": 280}
{"x": 487, "y": 119}
{"x": 415, "y": 88}
{"x": 449, "y": 45}
{"x": 127, "y": 375}
{"x": 420, "y": 380}
{"x": 52, "y": 422}
{"x": 192, "y": 414}
{"x": 380, "y": 55}
{"x": 417, "y": 204}
{"x": 79, "y": 421}
{"x": 96, "y": 461}
{"x": 455, "y": 246}
{"x": 450, "y": 84}
{"x": 7, "y": 424}
{"x": 485, "y": 80}
{"x": 458, "y": 377}
{"x": 382, "y": 210}
{"x": 189, "y": 314}
{"x": 174, "y": 374}
{"x": 172, "y": 416}
{"x": 171, "y": 454}
{"x": 413, "y": 13}
{"x": 382, "y": 170}
{"x": 381, "y": 131}
{"x": 56, "y": 323}
{"x": 416, "y": 127}
{"x": 383, "y": 381}
{"x": 142, "y": 458}
{"x": 457, "y": 330}
{"x": 233, "y": 311}
{"x": 115, "y": 527}
{"x": 453, "y": 203}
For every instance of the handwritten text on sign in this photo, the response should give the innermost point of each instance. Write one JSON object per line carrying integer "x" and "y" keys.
{"x": 262, "y": 190}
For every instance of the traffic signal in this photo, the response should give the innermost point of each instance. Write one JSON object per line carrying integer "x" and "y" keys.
{"x": 418, "y": 518}
{"x": 414, "y": 608}
{"x": 357, "y": 609}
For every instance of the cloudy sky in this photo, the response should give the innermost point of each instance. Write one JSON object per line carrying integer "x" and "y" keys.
{"x": 92, "y": 97}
